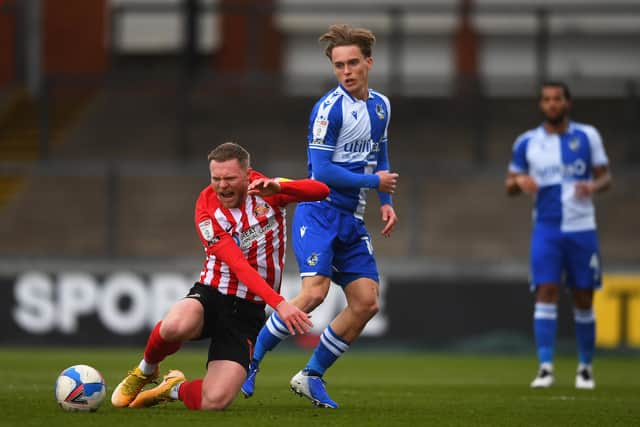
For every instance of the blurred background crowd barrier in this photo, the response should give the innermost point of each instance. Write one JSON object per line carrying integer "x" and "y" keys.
{"x": 109, "y": 108}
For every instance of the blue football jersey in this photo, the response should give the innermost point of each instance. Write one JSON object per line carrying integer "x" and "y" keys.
{"x": 556, "y": 162}
{"x": 354, "y": 132}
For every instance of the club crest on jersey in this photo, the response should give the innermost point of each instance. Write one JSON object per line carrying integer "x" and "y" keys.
{"x": 380, "y": 111}
{"x": 574, "y": 144}
{"x": 312, "y": 260}
{"x": 261, "y": 209}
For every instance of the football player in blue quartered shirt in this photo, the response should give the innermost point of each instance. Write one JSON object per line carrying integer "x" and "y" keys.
{"x": 348, "y": 150}
{"x": 562, "y": 164}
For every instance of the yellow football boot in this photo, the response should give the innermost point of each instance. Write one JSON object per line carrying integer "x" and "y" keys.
{"x": 160, "y": 393}
{"x": 130, "y": 386}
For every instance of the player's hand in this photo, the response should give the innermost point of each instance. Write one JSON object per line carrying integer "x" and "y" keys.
{"x": 527, "y": 184}
{"x": 294, "y": 318}
{"x": 389, "y": 218}
{"x": 388, "y": 181}
{"x": 584, "y": 189}
{"x": 263, "y": 187}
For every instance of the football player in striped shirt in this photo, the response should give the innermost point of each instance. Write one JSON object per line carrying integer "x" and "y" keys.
{"x": 562, "y": 164}
{"x": 240, "y": 219}
{"x": 347, "y": 150}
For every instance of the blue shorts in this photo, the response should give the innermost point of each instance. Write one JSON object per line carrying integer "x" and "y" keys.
{"x": 572, "y": 256}
{"x": 332, "y": 243}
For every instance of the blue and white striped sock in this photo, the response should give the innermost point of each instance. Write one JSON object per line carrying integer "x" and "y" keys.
{"x": 330, "y": 347}
{"x": 585, "y": 334}
{"x": 271, "y": 334}
{"x": 545, "y": 321}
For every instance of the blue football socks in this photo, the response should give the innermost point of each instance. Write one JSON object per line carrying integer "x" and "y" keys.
{"x": 271, "y": 334}
{"x": 585, "y": 334}
{"x": 330, "y": 347}
{"x": 545, "y": 321}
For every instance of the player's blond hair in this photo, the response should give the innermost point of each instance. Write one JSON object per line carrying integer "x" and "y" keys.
{"x": 346, "y": 35}
{"x": 229, "y": 151}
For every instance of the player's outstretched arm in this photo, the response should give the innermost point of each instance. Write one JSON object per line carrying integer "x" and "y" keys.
{"x": 337, "y": 176}
{"x": 301, "y": 190}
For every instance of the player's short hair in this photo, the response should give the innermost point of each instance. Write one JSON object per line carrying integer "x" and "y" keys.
{"x": 229, "y": 151}
{"x": 557, "y": 83}
{"x": 346, "y": 35}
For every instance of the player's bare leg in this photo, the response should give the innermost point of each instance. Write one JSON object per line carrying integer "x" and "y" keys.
{"x": 362, "y": 304}
{"x": 184, "y": 321}
{"x": 312, "y": 293}
{"x": 221, "y": 384}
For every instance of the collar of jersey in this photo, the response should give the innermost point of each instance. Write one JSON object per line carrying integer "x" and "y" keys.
{"x": 570, "y": 128}
{"x": 351, "y": 98}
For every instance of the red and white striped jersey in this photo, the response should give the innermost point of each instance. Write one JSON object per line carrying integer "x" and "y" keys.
{"x": 258, "y": 229}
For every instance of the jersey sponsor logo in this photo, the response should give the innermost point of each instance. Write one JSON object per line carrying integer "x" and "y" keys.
{"x": 355, "y": 115}
{"x": 256, "y": 233}
{"x": 359, "y": 146}
{"x": 206, "y": 229}
{"x": 380, "y": 111}
{"x": 577, "y": 168}
{"x": 303, "y": 230}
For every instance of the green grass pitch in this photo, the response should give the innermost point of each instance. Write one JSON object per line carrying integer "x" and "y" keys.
{"x": 373, "y": 388}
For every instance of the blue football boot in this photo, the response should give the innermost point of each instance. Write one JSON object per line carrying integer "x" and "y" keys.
{"x": 312, "y": 387}
{"x": 249, "y": 384}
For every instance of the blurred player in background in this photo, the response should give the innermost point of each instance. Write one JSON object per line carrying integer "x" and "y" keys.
{"x": 347, "y": 150}
{"x": 240, "y": 219}
{"x": 562, "y": 164}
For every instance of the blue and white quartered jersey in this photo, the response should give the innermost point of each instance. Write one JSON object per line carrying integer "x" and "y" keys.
{"x": 556, "y": 162}
{"x": 352, "y": 135}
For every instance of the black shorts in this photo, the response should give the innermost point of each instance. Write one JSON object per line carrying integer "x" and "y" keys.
{"x": 230, "y": 322}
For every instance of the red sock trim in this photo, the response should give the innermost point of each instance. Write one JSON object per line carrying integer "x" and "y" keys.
{"x": 157, "y": 348}
{"x": 190, "y": 392}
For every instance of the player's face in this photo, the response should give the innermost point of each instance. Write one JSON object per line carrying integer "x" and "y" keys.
{"x": 352, "y": 69}
{"x": 553, "y": 104}
{"x": 230, "y": 181}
